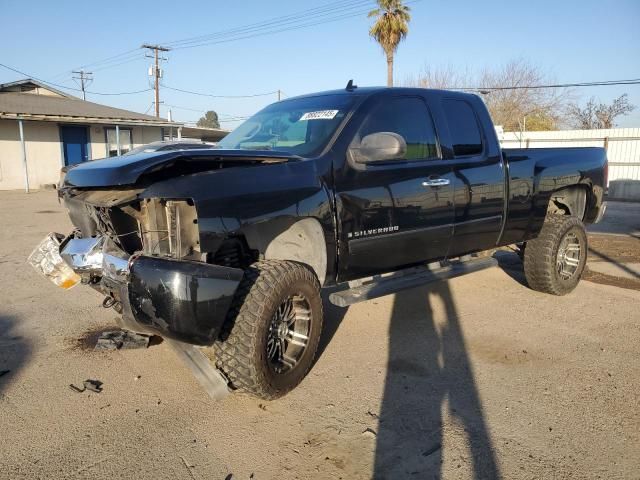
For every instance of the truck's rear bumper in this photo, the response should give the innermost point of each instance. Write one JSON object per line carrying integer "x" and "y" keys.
{"x": 179, "y": 299}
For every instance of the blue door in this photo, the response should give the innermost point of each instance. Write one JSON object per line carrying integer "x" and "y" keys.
{"x": 74, "y": 144}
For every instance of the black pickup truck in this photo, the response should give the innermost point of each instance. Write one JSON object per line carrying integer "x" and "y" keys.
{"x": 228, "y": 248}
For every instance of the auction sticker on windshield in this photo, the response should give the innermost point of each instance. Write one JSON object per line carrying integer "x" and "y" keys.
{"x": 319, "y": 115}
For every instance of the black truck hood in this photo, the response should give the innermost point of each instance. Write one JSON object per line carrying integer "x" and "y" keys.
{"x": 128, "y": 169}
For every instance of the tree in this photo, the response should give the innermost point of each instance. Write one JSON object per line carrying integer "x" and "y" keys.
{"x": 525, "y": 108}
{"x": 390, "y": 28}
{"x": 599, "y": 115}
{"x": 444, "y": 78}
{"x": 210, "y": 120}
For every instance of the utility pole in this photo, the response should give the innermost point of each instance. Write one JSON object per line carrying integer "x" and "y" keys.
{"x": 85, "y": 79}
{"x": 279, "y": 94}
{"x": 157, "y": 73}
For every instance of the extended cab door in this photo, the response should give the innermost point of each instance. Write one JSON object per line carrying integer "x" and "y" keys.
{"x": 478, "y": 171}
{"x": 398, "y": 212}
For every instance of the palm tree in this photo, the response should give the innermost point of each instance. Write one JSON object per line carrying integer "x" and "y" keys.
{"x": 391, "y": 27}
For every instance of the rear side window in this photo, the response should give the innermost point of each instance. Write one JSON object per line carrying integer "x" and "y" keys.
{"x": 463, "y": 127}
{"x": 406, "y": 116}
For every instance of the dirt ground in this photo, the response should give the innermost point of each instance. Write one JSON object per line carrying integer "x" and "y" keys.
{"x": 478, "y": 377}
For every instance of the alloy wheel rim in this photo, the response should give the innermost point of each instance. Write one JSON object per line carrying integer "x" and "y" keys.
{"x": 288, "y": 334}
{"x": 568, "y": 257}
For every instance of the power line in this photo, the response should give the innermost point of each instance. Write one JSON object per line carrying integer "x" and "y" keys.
{"x": 197, "y": 110}
{"x": 200, "y": 110}
{"x": 286, "y": 29}
{"x": 111, "y": 61}
{"x": 227, "y": 120}
{"x": 304, "y": 15}
{"x": 633, "y": 81}
{"x": 134, "y": 58}
{"x": 220, "y": 96}
{"x": 111, "y": 58}
{"x": 328, "y": 9}
{"x": 271, "y": 21}
{"x": 515, "y": 87}
{"x": 52, "y": 84}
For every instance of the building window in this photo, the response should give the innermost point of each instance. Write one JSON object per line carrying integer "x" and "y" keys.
{"x": 126, "y": 141}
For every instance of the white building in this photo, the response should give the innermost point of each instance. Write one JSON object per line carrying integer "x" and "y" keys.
{"x": 43, "y": 129}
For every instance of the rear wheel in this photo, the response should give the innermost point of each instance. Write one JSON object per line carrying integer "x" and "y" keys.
{"x": 270, "y": 340}
{"x": 555, "y": 260}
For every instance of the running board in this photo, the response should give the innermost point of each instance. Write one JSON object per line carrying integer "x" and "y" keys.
{"x": 405, "y": 280}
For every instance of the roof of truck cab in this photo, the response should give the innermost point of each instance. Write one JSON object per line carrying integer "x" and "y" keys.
{"x": 366, "y": 91}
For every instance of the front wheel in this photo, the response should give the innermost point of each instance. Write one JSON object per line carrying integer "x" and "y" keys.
{"x": 555, "y": 260}
{"x": 271, "y": 337}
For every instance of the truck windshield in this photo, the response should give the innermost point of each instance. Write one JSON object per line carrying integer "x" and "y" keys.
{"x": 300, "y": 126}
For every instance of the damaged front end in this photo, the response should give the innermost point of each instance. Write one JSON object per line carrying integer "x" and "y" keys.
{"x": 144, "y": 255}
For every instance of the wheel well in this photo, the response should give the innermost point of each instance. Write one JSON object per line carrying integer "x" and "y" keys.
{"x": 569, "y": 201}
{"x": 300, "y": 241}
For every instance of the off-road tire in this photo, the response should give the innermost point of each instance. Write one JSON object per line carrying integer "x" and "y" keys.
{"x": 241, "y": 351}
{"x": 540, "y": 255}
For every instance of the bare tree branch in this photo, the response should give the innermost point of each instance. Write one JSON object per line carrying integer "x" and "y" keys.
{"x": 599, "y": 115}
{"x": 539, "y": 108}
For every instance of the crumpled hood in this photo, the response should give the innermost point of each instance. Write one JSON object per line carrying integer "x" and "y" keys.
{"x": 128, "y": 169}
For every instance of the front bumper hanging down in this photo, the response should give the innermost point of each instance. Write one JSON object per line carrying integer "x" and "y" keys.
{"x": 182, "y": 300}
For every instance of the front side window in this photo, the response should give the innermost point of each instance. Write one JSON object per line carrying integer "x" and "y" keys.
{"x": 126, "y": 143}
{"x": 302, "y": 126}
{"x": 408, "y": 117}
{"x": 463, "y": 128}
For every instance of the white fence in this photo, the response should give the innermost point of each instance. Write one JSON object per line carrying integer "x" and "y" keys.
{"x": 622, "y": 145}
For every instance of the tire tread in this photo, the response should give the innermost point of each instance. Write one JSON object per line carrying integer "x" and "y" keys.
{"x": 237, "y": 353}
{"x": 540, "y": 255}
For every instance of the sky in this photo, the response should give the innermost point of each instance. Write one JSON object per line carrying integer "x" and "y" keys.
{"x": 571, "y": 41}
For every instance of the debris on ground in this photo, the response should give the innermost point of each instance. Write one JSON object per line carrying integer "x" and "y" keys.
{"x": 4, "y": 372}
{"x": 121, "y": 339}
{"x": 76, "y": 389}
{"x": 370, "y": 432}
{"x": 93, "y": 385}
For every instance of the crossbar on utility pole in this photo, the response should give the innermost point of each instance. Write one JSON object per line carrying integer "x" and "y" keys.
{"x": 85, "y": 78}
{"x": 156, "y": 72}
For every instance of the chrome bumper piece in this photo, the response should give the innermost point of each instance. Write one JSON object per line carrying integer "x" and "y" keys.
{"x": 603, "y": 209}
{"x": 97, "y": 256}
{"x": 84, "y": 255}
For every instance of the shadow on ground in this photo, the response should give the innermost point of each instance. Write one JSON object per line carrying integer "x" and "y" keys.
{"x": 333, "y": 316}
{"x": 14, "y": 350}
{"x": 429, "y": 371}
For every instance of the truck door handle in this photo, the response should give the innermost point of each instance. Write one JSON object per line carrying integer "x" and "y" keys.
{"x": 436, "y": 182}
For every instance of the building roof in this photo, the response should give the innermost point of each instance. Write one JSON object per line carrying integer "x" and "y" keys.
{"x": 206, "y": 134}
{"x": 68, "y": 109}
{"x": 20, "y": 85}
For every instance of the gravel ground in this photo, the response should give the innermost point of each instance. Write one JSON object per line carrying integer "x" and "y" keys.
{"x": 478, "y": 377}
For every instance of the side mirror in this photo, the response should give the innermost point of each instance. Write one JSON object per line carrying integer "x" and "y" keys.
{"x": 380, "y": 146}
